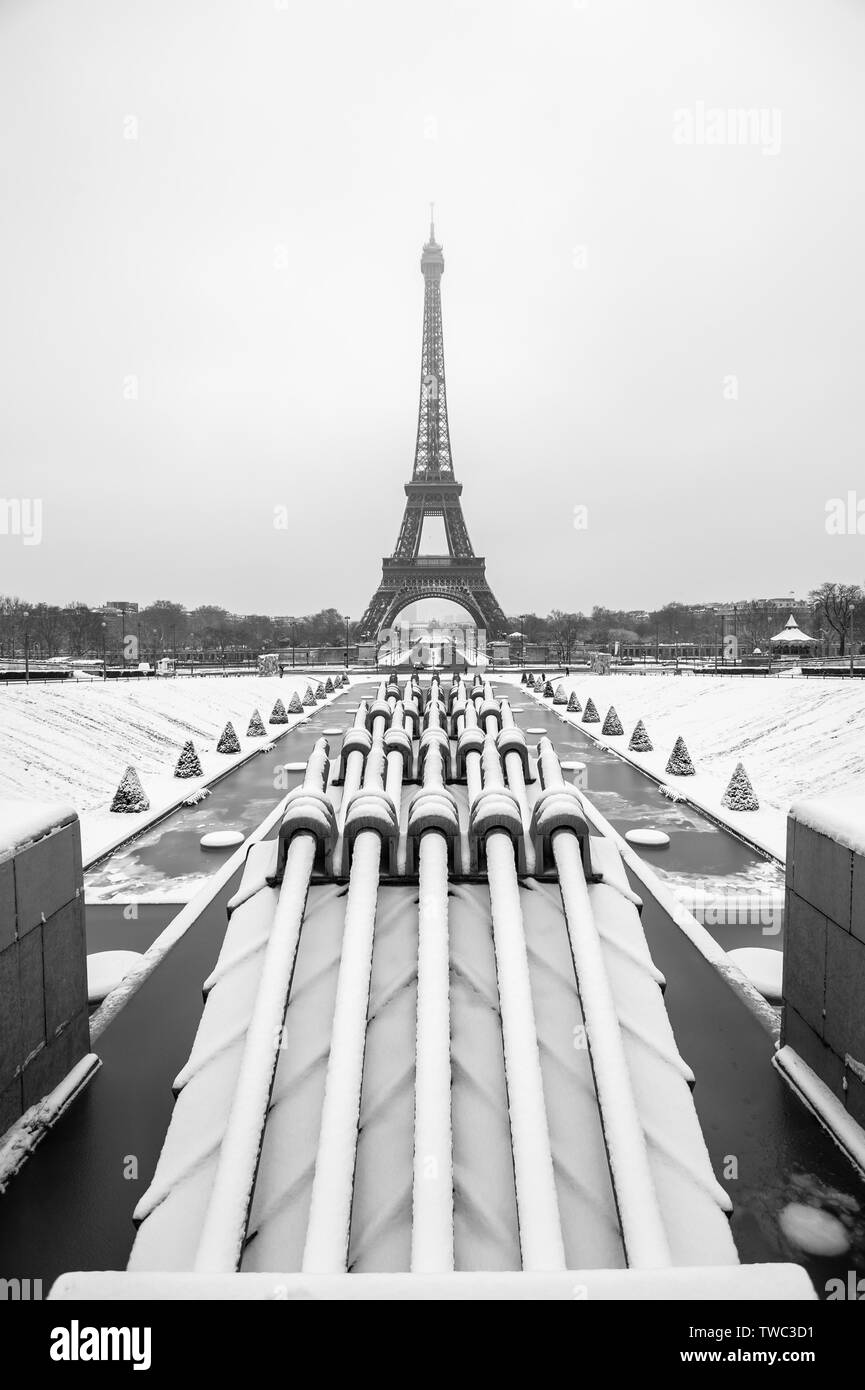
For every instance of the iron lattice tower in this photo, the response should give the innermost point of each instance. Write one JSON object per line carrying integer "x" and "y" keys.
{"x": 460, "y": 575}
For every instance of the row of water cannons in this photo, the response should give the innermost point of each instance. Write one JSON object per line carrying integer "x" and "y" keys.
{"x": 437, "y": 704}
{"x": 739, "y": 795}
{"x": 131, "y": 797}
{"x": 491, "y": 755}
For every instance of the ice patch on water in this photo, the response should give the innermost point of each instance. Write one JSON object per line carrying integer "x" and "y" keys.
{"x": 665, "y": 815}
{"x": 762, "y": 877}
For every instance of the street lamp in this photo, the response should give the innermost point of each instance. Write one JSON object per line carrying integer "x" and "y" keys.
{"x": 677, "y": 651}
{"x": 104, "y": 666}
{"x": 852, "y": 611}
{"x": 26, "y": 646}
{"x": 347, "y": 621}
{"x": 523, "y": 641}
{"x": 293, "y": 632}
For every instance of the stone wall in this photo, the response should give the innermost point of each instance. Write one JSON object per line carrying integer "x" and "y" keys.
{"x": 824, "y": 943}
{"x": 43, "y": 964}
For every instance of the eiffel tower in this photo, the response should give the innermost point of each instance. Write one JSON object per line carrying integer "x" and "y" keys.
{"x": 408, "y": 577}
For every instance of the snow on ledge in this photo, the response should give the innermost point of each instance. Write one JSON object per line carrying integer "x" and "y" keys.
{"x": 748, "y": 1282}
{"x": 19, "y": 1141}
{"x": 832, "y": 1114}
{"x": 23, "y": 822}
{"x": 840, "y": 815}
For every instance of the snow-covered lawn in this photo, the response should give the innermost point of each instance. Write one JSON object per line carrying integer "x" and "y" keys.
{"x": 796, "y": 737}
{"x": 72, "y": 743}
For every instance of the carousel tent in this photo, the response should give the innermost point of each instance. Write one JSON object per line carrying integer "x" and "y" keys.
{"x": 791, "y": 638}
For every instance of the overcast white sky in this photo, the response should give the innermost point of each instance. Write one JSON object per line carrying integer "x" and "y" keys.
{"x": 251, "y": 259}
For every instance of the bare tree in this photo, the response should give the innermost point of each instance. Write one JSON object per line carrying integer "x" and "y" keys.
{"x": 48, "y": 625}
{"x": 835, "y": 604}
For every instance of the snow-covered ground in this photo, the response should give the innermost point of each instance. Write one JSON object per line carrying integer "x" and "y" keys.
{"x": 72, "y": 743}
{"x": 796, "y": 737}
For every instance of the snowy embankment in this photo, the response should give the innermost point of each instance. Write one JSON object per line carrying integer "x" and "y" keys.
{"x": 72, "y": 743}
{"x": 796, "y": 738}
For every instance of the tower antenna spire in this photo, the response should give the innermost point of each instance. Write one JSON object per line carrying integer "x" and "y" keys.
{"x": 432, "y": 230}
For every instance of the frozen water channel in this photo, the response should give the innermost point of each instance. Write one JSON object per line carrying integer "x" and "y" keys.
{"x": 167, "y": 864}
{"x": 702, "y": 863}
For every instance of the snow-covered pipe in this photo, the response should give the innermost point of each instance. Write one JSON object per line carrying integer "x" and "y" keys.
{"x": 379, "y": 724}
{"x": 541, "y": 1242}
{"x": 395, "y": 760}
{"x": 643, "y": 1233}
{"x": 511, "y": 742}
{"x": 329, "y": 1227}
{"x": 354, "y": 764}
{"x": 473, "y": 759}
{"x": 411, "y": 708}
{"x": 458, "y": 717}
{"x": 357, "y": 740}
{"x": 380, "y": 713}
{"x": 458, "y": 708}
{"x": 489, "y": 711}
{"x": 224, "y": 1228}
{"x": 432, "y": 1239}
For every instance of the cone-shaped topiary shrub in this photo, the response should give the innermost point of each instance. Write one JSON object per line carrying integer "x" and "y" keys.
{"x": 612, "y": 725}
{"x": 560, "y": 698}
{"x": 228, "y": 742}
{"x": 590, "y": 715}
{"x": 309, "y": 698}
{"x": 319, "y": 691}
{"x": 278, "y": 714}
{"x": 574, "y": 705}
{"x": 679, "y": 762}
{"x": 130, "y": 795}
{"x": 256, "y": 728}
{"x": 329, "y": 686}
{"x": 524, "y": 679}
{"x": 189, "y": 763}
{"x": 539, "y": 685}
{"x": 294, "y": 705}
{"x": 740, "y": 795}
{"x": 640, "y": 741}
{"x": 548, "y": 690}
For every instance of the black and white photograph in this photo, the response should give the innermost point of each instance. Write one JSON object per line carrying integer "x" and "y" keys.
{"x": 432, "y": 672}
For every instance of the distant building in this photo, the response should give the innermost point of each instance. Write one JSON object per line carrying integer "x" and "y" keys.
{"x": 779, "y": 605}
{"x": 119, "y": 606}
